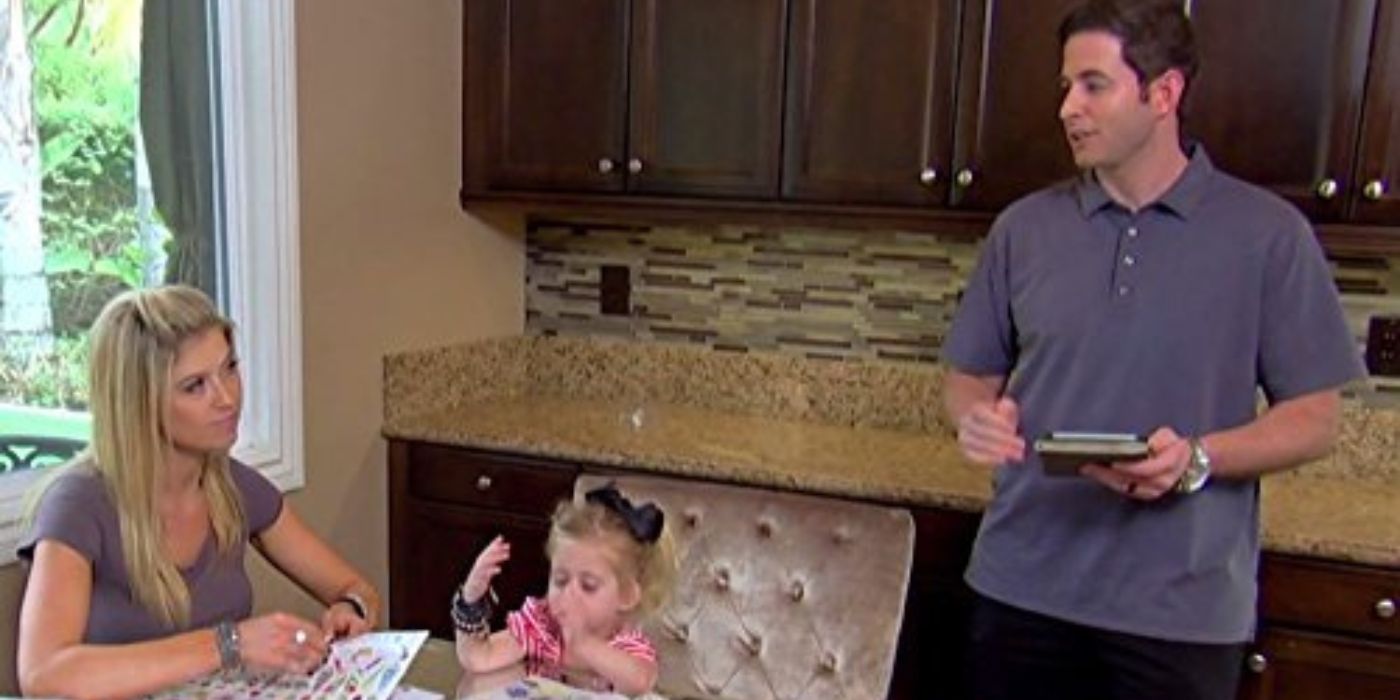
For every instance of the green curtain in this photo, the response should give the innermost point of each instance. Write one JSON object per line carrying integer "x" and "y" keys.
{"x": 177, "y": 123}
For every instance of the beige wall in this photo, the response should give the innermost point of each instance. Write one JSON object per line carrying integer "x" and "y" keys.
{"x": 388, "y": 260}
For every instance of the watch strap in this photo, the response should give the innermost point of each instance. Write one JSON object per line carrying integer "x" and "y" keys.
{"x": 356, "y": 603}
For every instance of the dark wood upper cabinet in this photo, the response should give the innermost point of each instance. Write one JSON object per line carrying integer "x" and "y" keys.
{"x": 869, "y": 102}
{"x": 545, "y": 95}
{"x": 1283, "y": 113}
{"x": 1375, "y": 195}
{"x": 1009, "y": 139}
{"x": 929, "y": 114}
{"x": 706, "y": 97}
{"x": 552, "y": 106}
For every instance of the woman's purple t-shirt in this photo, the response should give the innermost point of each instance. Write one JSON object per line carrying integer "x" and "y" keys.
{"x": 78, "y": 511}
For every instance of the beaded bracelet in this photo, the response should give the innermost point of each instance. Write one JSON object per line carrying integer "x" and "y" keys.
{"x": 471, "y": 618}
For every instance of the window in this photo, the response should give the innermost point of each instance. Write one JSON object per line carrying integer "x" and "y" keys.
{"x": 257, "y": 263}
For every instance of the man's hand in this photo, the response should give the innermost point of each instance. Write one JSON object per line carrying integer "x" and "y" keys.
{"x": 988, "y": 433}
{"x": 1151, "y": 478}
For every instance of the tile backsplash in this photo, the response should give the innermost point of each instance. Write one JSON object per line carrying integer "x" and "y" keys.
{"x": 820, "y": 293}
{"x": 824, "y": 293}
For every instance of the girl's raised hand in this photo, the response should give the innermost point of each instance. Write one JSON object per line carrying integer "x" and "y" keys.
{"x": 487, "y": 565}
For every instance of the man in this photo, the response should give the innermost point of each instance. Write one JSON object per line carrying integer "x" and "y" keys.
{"x": 1153, "y": 295}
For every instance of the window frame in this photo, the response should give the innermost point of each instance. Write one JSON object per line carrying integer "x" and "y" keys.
{"x": 256, "y": 83}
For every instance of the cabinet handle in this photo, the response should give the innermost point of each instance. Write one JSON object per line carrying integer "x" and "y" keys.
{"x": 605, "y": 165}
{"x": 483, "y": 483}
{"x": 928, "y": 176}
{"x": 1327, "y": 189}
{"x": 634, "y": 165}
{"x": 1257, "y": 663}
{"x": 1374, "y": 190}
{"x": 964, "y": 177}
{"x": 1385, "y": 609}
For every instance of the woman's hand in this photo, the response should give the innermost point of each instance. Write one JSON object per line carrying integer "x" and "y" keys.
{"x": 281, "y": 643}
{"x": 341, "y": 620}
{"x": 487, "y": 565}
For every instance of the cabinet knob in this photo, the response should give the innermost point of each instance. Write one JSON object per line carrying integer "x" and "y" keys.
{"x": 1374, "y": 190}
{"x": 928, "y": 176}
{"x": 964, "y": 177}
{"x": 1257, "y": 663}
{"x": 634, "y": 165}
{"x": 1327, "y": 189}
{"x": 605, "y": 165}
{"x": 483, "y": 483}
{"x": 1385, "y": 609}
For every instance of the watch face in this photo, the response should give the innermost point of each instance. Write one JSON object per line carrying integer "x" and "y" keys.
{"x": 1197, "y": 469}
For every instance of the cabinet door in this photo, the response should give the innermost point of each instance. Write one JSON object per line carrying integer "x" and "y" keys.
{"x": 869, "y": 101}
{"x": 1378, "y": 173}
{"x": 1283, "y": 113}
{"x": 545, "y": 94}
{"x": 1294, "y": 665}
{"x": 932, "y": 662}
{"x": 1009, "y": 139}
{"x": 440, "y": 544}
{"x": 706, "y": 90}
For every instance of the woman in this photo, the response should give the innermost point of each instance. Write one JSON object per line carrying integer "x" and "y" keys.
{"x": 136, "y": 579}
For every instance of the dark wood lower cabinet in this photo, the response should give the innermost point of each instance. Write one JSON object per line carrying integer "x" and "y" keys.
{"x": 1328, "y": 629}
{"x": 445, "y": 505}
{"x": 1287, "y": 664}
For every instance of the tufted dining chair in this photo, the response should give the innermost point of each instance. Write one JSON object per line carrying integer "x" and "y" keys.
{"x": 780, "y": 596}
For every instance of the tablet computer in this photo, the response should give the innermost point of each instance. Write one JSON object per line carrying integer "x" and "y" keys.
{"x": 1062, "y": 453}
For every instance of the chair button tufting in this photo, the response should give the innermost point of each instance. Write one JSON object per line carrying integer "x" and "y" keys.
{"x": 722, "y": 579}
{"x": 765, "y": 528}
{"x": 751, "y": 642}
{"x": 679, "y": 632}
{"x": 692, "y": 517}
{"x": 797, "y": 591}
{"x": 841, "y": 535}
{"x": 828, "y": 663}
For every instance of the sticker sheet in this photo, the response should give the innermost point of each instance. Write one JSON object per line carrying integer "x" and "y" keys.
{"x": 367, "y": 667}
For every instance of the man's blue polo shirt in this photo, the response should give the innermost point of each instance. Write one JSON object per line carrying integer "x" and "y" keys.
{"x": 1108, "y": 320}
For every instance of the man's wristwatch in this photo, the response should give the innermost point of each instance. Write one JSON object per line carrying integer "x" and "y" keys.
{"x": 1197, "y": 469}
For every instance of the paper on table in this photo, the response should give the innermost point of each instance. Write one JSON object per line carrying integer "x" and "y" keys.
{"x": 408, "y": 692}
{"x": 369, "y": 667}
{"x": 535, "y": 688}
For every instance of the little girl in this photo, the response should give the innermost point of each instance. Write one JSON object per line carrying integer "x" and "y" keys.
{"x": 611, "y": 563}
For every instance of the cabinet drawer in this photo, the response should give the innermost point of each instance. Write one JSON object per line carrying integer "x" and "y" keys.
{"x": 1330, "y": 595}
{"x": 488, "y": 480}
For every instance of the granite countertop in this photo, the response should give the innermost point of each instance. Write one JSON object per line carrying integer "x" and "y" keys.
{"x": 774, "y": 421}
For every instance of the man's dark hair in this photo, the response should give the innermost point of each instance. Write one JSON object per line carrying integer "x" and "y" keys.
{"x": 1156, "y": 35}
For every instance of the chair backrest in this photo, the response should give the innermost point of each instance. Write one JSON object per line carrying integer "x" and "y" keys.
{"x": 780, "y": 595}
{"x": 21, "y": 452}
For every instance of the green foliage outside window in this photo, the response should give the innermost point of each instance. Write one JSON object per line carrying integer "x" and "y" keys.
{"x": 85, "y": 101}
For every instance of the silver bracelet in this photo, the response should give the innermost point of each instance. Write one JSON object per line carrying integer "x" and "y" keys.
{"x": 226, "y": 638}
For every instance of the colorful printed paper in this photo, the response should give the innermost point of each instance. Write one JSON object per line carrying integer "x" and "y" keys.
{"x": 367, "y": 667}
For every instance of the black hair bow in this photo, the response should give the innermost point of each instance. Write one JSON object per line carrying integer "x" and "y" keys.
{"x": 644, "y": 521}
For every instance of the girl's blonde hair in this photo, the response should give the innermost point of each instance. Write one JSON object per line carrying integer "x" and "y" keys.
{"x": 651, "y": 564}
{"x": 132, "y": 350}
